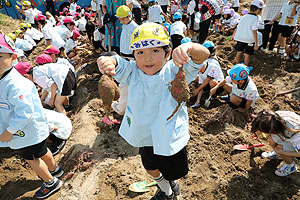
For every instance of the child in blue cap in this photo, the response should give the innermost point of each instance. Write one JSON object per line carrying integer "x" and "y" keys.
{"x": 241, "y": 88}
{"x": 177, "y": 30}
{"x": 162, "y": 143}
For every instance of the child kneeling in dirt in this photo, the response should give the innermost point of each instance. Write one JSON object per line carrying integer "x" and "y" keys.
{"x": 241, "y": 88}
{"x": 209, "y": 75}
{"x": 55, "y": 78}
{"x": 162, "y": 143}
{"x": 23, "y": 125}
{"x": 293, "y": 50}
{"x": 283, "y": 127}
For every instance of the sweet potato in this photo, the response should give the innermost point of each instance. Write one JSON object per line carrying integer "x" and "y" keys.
{"x": 179, "y": 89}
{"x": 108, "y": 91}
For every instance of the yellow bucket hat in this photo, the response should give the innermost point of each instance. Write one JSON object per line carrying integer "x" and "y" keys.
{"x": 28, "y": 25}
{"x": 22, "y": 25}
{"x": 17, "y": 32}
{"x": 26, "y": 3}
{"x": 122, "y": 11}
{"x": 12, "y": 36}
{"x": 149, "y": 35}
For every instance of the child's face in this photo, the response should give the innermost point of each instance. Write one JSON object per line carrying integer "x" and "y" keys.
{"x": 6, "y": 61}
{"x": 124, "y": 20}
{"x": 151, "y": 60}
{"x": 298, "y": 39}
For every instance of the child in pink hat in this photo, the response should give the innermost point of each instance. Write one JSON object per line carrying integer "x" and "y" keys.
{"x": 23, "y": 125}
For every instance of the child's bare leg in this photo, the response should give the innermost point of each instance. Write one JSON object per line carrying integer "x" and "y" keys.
{"x": 49, "y": 160}
{"x": 288, "y": 51}
{"x": 41, "y": 169}
{"x": 71, "y": 55}
{"x": 213, "y": 83}
{"x": 154, "y": 173}
{"x": 59, "y": 100}
{"x": 282, "y": 41}
{"x": 272, "y": 143}
{"x": 66, "y": 102}
{"x": 235, "y": 100}
{"x": 199, "y": 97}
{"x": 237, "y": 57}
{"x": 228, "y": 88}
{"x": 246, "y": 59}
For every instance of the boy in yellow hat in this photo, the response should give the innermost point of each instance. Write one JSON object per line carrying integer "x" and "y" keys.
{"x": 23, "y": 44}
{"x": 162, "y": 143}
{"x": 27, "y": 11}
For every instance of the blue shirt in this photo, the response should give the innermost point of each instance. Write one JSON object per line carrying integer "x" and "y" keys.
{"x": 149, "y": 105}
{"x": 21, "y": 111}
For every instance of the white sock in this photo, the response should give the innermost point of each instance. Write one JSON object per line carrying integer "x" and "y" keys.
{"x": 290, "y": 165}
{"x": 164, "y": 185}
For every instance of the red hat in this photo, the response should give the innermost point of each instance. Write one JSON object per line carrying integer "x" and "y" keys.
{"x": 76, "y": 15}
{"x": 52, "y": 50}
{"x": 43, "y": 59}
{"x": 76, "y": 34}
{"x": 61, "y": 13}
{"x": 69, "y": 14}
{"x": 39, "y": 17}
{"x": 23, "y": 67}
{"x": 68, "y": 20}
{"x": 87, "y": 14}
{"x": 7, "y": 45}
{"x": 65, "y": 9}
{"x": 92, "y": 15}
{"x": 77, "y": 7}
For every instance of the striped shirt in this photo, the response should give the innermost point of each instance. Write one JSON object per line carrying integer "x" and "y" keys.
{"x": 272, "y": 9}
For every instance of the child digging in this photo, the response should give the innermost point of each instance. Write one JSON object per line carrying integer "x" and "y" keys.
{"x": 23, "y": 125}
{"x": 162, "y": 142}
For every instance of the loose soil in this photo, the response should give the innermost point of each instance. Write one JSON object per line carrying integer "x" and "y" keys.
{"x": 217, "y": 171}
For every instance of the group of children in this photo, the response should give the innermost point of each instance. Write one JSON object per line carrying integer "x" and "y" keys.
{"x": 144, "y": 70}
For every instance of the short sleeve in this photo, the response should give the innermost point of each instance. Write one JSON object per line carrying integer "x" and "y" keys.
{"x": 228, "y": 79}
{"x": 255, "y": 26}
{"x": 251, "y": 95}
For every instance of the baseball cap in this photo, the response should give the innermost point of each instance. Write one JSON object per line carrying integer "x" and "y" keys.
{"x": 52, "y": 50}
{"x": 23, "y": 67}
{"x": 12, "y": 36}
{"x": 229, "y": 5}
{"x": 39, "y": 17}
{"x": 208, "y": 44}
{"x": 77, "y": 7}
{"x": 68, "y": 20}
{"x": 123, "y": 11}
{"x": 76, "y": 34}
{"x": 76, "y": 15}
{"x": 28, "y": 25}
{"x": 43, "y": 59}
{"x": 150, "y": 1}
{"x": 17, "y": 32}
{"x": 238, "y": 72}
{"x": 167, "y": 26}
{"x": 226, "y": 7}
{"x": 177, "y": 15}
{"x": 184, "y": 2}
{"x": 149, "y": 35}
{"x": 245, "y": 11}
{"x": 7, "y": 45}
{"x": 185, "y": 40}
{"x": 65, "y": 9}
{"x": 22, "y": 25}
{"x": 87, "y": 14}
{"x": 258, "y": 3}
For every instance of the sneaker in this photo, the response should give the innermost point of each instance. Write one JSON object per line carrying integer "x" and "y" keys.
{"x": 58, "y": 172}
{"x": 160, "y": 195}
{"x": 281, "y": 52}
{"x": 195, "y": 106}
{"x": 271, "y": 155}
{"x": 285, "y": 170}
{"x": 175, "y": 187}
{"x": 46, "y": 190}
{"x": 224, "y": 98}
{"x": 56, "y": 146}
{"x": 264, "y": 50}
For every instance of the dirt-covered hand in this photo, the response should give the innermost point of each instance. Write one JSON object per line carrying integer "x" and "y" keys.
{"x": 106, "y": 65}
{"x": 180, "y": 54}
{"x": 6, "y": 136}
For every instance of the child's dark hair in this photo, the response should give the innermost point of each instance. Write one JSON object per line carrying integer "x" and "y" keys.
{"x": 211, "y": 51}
{"x": 270, "y": 122}
{"x": 254, "y": 8}
{"x": 185, "y": 18}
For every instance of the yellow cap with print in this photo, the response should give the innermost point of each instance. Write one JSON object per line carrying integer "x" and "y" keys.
{"x": 28, "y": 25}
{"x": 22, "y": 25}
{"x": 123, "y": 11}
{"x": 48, "y": 13}
{"x": 149, "y": 35}
{"x": 17, "y": 32}
{"x": 12, "y": 36}
{"x": 26, "y": 3}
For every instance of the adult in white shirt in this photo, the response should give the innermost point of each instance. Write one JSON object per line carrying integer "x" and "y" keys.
{"x": 164, "y": 4}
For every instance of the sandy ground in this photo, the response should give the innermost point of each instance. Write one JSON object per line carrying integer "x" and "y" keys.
{"x": 105, "y": 165}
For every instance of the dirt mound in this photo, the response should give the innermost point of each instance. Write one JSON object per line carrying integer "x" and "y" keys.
{"x": 216, "y": 170}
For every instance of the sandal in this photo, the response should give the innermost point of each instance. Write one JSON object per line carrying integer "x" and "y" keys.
{"x": 107, "y": 121}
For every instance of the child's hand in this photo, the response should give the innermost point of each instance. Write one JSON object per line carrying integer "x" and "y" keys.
{"x": 180, "y": 55}
{"x": 106, "y": 65}
{"x": 256, "y": 46}
{"x": 278, "y": 150}
{"x": 51, "y": 102}
{"x": 6, "y": 136}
